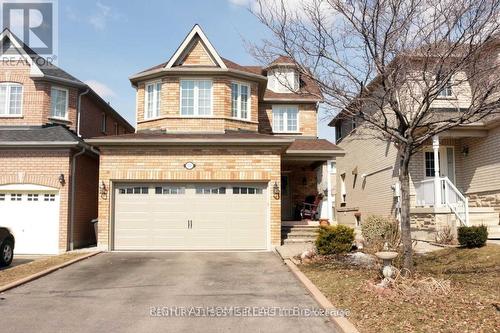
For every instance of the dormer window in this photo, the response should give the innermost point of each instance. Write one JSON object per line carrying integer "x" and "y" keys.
{"x": 11, "y": 99}
{"x": 240, "y": 100}
{"x": 196, "y": 97}
{"x": 59, "y": 103}
{"x": 152, "y": 100}
{"x": 283, "y": 80}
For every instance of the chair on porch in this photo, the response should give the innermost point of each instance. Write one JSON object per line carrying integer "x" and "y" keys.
{"x": 310, "y": 207}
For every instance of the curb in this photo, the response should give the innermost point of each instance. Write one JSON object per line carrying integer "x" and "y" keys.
{"x": 341, "y": 324}
{"x": 45, "y": 272}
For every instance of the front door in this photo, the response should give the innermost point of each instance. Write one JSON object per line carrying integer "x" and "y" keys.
{"x": 446, "y": 163}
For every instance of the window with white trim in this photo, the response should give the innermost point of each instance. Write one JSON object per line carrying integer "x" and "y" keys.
{"x": 16, "y": 197}
{"x": 59, "y": 102}
{"x": 170, "y": 190}
{"x": 2, "y": 197}
{"x": 247, "y": 190}
{"x": 447, "y": 90}
{"x": 134, "y": 190}
{"x": 152, "y": 100}
{"x": 240, "y": 100}
{"x": 196, "y": 97}
{"x": 285, "y": 118}
{"x": 49, "y": 197}
{"x": 11, "y": 99}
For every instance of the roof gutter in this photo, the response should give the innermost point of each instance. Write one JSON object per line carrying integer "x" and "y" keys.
{"x": 50, "y": 144}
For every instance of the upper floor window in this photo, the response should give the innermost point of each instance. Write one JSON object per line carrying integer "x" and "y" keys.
{"x": 11, "y": 99}
{"x": 117, "y": 131}
{"x": 196, "y": 97}
{"x": 338, "y": 130}
{"x": 283, "y": 80}
{"x": 240, "y": 100}
{"x": 447, "y": 90}
{"x": 152, "y": 100}
{"x": 285, "y": 118}
{"x": 59, "y": 98}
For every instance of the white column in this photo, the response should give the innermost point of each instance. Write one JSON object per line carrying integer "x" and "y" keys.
{"x": 437, "y": 181}
{"x": 329, "y": 197}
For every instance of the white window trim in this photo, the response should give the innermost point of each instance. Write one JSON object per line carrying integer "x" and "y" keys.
{"x": 66, "y": 105}
{"x": 7, "y": 100}
{"x": 285, "y": 119}
{"x": 195, "y": 98}
{"x": 146, "y": 99}
{"x": 238, "y": 110}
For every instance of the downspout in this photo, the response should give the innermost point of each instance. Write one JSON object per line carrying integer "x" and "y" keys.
{"x": 72, "y": 206}
{"x": 78, "y": 111}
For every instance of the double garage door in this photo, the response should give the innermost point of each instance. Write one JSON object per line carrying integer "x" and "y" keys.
{"x": 190, "y": 216}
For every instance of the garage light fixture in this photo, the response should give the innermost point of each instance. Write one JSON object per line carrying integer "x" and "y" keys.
{"x": 276, "y": 190}
{"x": 62, "y": 181}
{"x": 102, "y": 189}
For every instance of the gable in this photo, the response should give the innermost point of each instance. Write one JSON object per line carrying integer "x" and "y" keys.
{"x": 196, "y": 50}
{"x": 196, "y": 55}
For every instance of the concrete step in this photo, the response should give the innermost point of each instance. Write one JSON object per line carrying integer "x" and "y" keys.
{"x": 481, "y": 210}
{"x": 494, "y": 232}
{"x": 300, "y": 228}
{"x": 298, "y": 240}
{"x": 487, "y": 219}
{"x": 299, "y": 235}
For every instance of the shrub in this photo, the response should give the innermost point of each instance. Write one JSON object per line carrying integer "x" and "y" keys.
{"x": 475, "y": 236}
{"x": 445, "y": 235}
{"x": 334, "y": 239}
{"x": 377, "y": 230}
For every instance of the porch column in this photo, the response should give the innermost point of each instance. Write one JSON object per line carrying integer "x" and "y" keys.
{"x": 437, "y": 181}
{"x": 329, "y": 197}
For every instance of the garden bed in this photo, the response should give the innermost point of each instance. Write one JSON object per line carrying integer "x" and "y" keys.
{"x": 469, "y": 303}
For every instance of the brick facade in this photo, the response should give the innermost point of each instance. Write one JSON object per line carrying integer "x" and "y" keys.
{"x": 166, "y": 164}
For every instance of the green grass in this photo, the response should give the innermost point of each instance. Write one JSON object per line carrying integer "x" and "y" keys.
{"x": 469, "y": 307}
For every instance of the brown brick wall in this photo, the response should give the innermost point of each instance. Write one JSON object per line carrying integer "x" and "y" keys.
{"x": 91, "y": 117}
{"x": 212, "y": 164}
{"x": 41, "y": 167}
{"x": 171, "y": 120}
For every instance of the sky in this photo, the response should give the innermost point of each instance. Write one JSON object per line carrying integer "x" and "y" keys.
{"x": 104, "y": 42}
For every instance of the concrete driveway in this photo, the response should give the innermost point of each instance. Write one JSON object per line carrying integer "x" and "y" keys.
{"x": 119, "y": 292}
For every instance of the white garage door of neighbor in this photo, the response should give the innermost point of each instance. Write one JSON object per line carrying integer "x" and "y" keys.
{"x": 203, "y": 216}
{"x": 33, "y": 218}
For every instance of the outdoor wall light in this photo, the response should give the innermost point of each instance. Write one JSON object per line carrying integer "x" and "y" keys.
{"x": 102, "y": 188}
{"x": 276, "y": 190}
{"x": 465, "y": 151}
{"x": 62, "y": 181}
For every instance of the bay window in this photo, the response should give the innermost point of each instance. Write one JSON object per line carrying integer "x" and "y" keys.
{"x": 152, "y": 100}
{"x": 240, "y": 100}
{"x": 196, "y": 97}
{"x": 11, "y": 99}
{"x": 285, "y": 118}
{"x": 59, "y": 102}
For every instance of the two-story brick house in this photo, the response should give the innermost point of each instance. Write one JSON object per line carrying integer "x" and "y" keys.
{"x": 222, "y": 154}
{"x": 49, "y": 175}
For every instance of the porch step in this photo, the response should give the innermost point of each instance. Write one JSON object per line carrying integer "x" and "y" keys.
{"x": 486, "y": 218}
{"x": 494, "y": 232}
{"x": 299, "y": 234}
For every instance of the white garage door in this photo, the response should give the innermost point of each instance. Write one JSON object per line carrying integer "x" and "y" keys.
{"x": 204, "y": 216}
{"x": 32, "y": 215}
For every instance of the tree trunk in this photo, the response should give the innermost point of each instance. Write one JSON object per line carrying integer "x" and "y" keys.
{"x": 404, "y": 180}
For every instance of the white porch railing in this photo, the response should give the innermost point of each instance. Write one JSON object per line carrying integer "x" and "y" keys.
{"x": 450, "y": 197}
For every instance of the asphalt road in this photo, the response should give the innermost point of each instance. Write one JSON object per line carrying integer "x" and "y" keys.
{"x": 163, "y": 292}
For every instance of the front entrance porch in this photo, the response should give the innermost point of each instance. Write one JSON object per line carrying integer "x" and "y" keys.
{"x": 438, "y": 186}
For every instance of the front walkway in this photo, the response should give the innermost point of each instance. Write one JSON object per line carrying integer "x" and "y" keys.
{"x": 114, "y": 292}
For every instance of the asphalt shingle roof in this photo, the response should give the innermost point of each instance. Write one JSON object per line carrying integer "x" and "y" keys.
{"x": 37, "y": 134}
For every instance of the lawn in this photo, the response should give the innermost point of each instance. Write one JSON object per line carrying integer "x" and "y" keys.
{"x": 11, "y": 274}
{"x": 472, "y": 304}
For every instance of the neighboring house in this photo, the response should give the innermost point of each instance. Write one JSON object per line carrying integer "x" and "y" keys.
{"x": 49, "y": 175}
{"x": 454, "y": 178}
{"x": 223, "y": 153}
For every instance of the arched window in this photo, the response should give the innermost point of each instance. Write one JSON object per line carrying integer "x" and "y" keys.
{"x": 11, "y": 99}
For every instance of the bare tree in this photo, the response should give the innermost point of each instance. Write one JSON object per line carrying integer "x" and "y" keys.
{"x": 385, "y": 62}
